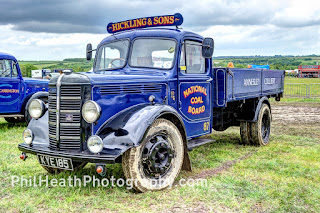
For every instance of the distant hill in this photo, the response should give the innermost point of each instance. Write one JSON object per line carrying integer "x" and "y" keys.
{"x": 77, "y": 64}
{"x": 275, "y": 62}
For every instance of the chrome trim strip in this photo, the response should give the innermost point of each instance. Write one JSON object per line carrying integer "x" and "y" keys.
{"x": 70, "y": 98}
{"x": 53, "y": 97}
{"x": 70, "y": 124}
{"x": 70, "y": 111}
{"x": 58, "y": 108}
{"x": 70, "y": 137}
{"x": 52, "y": 136}
{"x": 52, "y": 123}
{"x": 52, "y": 110}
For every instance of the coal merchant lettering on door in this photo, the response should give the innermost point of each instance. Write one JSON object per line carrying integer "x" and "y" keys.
{"x": 195, "y": 100}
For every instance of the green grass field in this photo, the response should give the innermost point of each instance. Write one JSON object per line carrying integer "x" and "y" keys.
{"x": 78, "y": 65}
{"x": 40, "y": 64}
{"x": 302, "y": 80}
{"x": 281, "y": 177}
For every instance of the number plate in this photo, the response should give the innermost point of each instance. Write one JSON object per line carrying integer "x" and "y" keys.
{"x": 55, "y": 162}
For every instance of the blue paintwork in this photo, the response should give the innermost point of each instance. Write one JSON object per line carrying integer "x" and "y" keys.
{"x": 168, "y": 79}
{"x": 261, "y": 83}
{"x": 21, "y": 90}
{"x": 216, "y": 81}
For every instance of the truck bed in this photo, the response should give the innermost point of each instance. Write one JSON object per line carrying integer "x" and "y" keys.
{"x": 233, "y": 84}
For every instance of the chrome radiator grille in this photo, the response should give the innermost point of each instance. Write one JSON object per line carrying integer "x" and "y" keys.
{"x": 69, "y": 127}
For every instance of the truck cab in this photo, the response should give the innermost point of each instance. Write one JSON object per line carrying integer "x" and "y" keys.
{"x": 15, "y": 90}
{"x": 151, "y": 95}
{"x": 164, "y": 63}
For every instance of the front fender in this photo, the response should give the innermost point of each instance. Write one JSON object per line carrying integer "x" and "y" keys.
{"x": 34, "y": 96}
{"x": 127, "y": 128}
{"x": 40, "y": 130}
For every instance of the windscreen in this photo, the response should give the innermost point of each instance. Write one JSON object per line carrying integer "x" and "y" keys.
{"x": 153, "y": 53}
{"x": 112, "y": 55}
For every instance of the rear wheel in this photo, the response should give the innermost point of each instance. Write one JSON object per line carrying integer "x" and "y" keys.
{"x": 245, "y": 132}
{"x": 155, "y": 164}
{"x": 260, "y": 130}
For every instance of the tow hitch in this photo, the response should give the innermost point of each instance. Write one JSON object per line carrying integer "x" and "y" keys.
{"x": 23, "y": 156}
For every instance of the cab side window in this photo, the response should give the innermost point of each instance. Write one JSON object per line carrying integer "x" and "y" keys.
{"x": 5, "y": 68}
{"x": 14, "y": 70}
{"x": 182, "y": 60}
{"x": 191, "y": 60}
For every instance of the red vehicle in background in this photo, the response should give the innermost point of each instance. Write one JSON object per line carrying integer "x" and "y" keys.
{"x": 309, "y": 71}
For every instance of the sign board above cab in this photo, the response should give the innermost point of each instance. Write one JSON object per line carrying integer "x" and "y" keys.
{"x": 155, "y": 21}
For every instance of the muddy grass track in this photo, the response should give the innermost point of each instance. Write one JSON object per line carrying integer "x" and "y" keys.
{"x": 301, "y": 113}
{"x": 225, "y": 166}
{"x": 296, "y": 118}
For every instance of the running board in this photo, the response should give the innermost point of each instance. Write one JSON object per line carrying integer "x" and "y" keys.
{"x": 198, "y": 142}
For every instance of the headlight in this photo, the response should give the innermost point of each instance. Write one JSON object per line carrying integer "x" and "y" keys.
{"x": 36, "y": 108}
{"x": 27, "y": 136}
{"x": 95, "y": 144}
{"x": 91, "y": 111}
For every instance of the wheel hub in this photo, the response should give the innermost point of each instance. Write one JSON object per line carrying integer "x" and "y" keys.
{"x": 157, "y": 156}
{"x": 265, "y": 127}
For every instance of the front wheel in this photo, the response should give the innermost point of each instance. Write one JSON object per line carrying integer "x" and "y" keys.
{"x": 156, "y": 163}
{"x": 260, "y": 130}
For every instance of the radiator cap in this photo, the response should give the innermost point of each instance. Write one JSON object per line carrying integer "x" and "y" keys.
{"x": 67, "y": 72}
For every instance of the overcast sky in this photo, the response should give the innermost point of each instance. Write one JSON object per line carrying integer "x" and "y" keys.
{"x": 54, "y": 30}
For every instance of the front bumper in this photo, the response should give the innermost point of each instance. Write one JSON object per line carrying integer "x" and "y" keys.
{"x": 85, "y": 156}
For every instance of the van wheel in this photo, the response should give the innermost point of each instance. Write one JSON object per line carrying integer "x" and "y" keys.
{"x": 260, "y": 130}
{"x": 156, "y": 163}
{"x": 245, "y": 132}
{"x": 76, "y": 166}
{"x": 14, "y": 119}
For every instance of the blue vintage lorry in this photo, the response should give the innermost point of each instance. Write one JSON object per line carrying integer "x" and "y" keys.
{"x": 16, "y": 90}
{"x": 152, "y": 93}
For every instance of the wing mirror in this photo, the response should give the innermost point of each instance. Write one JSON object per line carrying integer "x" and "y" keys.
{"x": 89, "y": 52}
{"x": 207, "y": 47}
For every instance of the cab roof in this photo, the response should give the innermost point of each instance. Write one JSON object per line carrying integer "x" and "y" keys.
{"x": 151, "y": 33}
{"x": 7, "y": 56}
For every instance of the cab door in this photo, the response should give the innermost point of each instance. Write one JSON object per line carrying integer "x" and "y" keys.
{"x": 195, "y": 88}
{"x": 9, "y": 87}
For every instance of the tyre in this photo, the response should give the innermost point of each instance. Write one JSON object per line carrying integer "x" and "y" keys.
{"x": 260, "y": 130}
{"x": 245, "y": 132}
{"x": 26, "y": 113}
{"x": 15, "y": 119}
{"x": 156, "y": 163}
{"x": 76, "y": 166}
